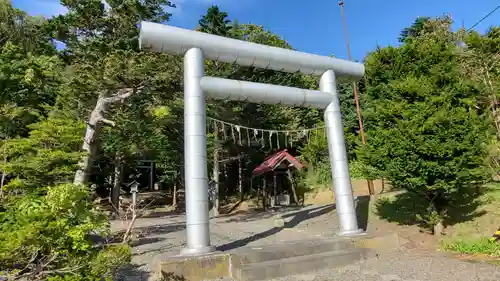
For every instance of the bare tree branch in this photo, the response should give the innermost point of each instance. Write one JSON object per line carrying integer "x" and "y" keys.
{"x": 123, "y": 94}
{"x": 107, "y": 122}
{"x": 94, "y": 129}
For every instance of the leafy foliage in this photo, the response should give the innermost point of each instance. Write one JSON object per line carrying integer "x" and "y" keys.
{"x": 424, "y": 135}
{"x": 27, "y": 83}
{"x": 414, "y": 30}
{"x": 48, "y": 156}
{"x": 47, "y": 237}
{"x": 215, "y": 22}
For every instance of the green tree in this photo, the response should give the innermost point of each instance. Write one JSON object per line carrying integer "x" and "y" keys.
{"x": 27, "y": 88}
{"x": 107, "y": 68}
{"x": 414, "y": 30}
{"x": 51, "y": 224}
{"x": 48, "y": 156}
{"x": 480, "y": 60}
{"x": 215, "y": 22}
{"x": 29, "y": 33}
{"x": 424, "y": 135}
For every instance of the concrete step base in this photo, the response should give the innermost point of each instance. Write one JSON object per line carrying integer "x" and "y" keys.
{"x": 273, "y": 261}
{"x": 277, "y": 268}
{"x": 290, "y": 249}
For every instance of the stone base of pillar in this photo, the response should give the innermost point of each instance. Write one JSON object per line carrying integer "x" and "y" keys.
{"x": 357, "y": 232}
{"x": 197, "y": 251}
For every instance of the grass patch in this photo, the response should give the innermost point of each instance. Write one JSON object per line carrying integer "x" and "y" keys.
{"x": 475, "y": 246}
{"x": 321, "y": 176}
{"x": 478, "y": 213}
{"x": 472, "y": 237}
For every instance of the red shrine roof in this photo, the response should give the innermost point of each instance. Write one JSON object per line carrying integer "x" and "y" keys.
{"x": 274, "y": 160}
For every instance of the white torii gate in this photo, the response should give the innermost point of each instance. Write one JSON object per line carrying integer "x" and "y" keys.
{"x": 198, "y": 46}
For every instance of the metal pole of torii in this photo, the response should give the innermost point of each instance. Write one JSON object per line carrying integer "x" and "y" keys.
{"x": 355, "y": 90}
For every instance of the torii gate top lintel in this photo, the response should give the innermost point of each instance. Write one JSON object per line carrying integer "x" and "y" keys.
{"x": 163, "y": 38}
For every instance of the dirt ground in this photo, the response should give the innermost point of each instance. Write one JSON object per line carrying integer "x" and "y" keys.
{"x": 324, "y": 194}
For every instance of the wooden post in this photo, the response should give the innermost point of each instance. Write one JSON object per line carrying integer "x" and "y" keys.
{"x": 264, "y": 192}
{"x": 152, "y": 176}
{"x": 275, "y": 191}
{"x": 294, "y": 192}
{"x": 258, "y": 191}
{"x": 216, "y": 172}
{"x": 174, "y": 195}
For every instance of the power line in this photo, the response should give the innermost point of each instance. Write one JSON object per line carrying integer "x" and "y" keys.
{"x": 485, "y": 17}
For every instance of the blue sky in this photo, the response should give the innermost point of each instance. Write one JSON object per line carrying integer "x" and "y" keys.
{"x": 315, "y": 26}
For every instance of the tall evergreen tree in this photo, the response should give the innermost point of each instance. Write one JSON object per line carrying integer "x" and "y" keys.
{"x": 414, "y": 30}
{"x": 215, "y": 22}
{"x": 423, "y": 133}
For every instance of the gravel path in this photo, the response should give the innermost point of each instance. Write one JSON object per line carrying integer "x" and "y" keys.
{"x": 165, "y": 235}
{"x": 404, "y": 265}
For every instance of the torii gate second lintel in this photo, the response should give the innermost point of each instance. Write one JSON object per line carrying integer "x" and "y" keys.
{"x": 198, "y": 46}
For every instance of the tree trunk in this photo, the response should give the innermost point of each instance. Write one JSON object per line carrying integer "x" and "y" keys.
{"x": 371, "y": 188}
{"x": 90, "y": 143}
{"x": 93, "y": 132}
{"x": 117, "y": 183}
{"x": 2, "y": 181}
{"x": 174, "y": 196}
{"x": 292, "y": 186}
{"x": 438, "y": 228}
{"x": 438, "y": 203}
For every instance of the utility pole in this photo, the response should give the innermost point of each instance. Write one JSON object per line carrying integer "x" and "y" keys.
{"x": 371, "y": 190}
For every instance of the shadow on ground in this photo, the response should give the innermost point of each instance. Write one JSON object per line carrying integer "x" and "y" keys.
{"x": 141, "y": 235}
{"x": 363, "y": 211}
{"x": 297, "y": 217}
{"x": 160, "y": 229}
{"x": 256, "y": 214}
{"x": 411, "y": 209}
{"x": 163, "y": 214}
{"x": 169, "y": 276}
{"x": 145, "y": 240}
{"x": 133, "y": 272}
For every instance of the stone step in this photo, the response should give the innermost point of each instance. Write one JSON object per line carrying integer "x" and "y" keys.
{"x": 271, "y": 269}
{"x": 285, "y": 250}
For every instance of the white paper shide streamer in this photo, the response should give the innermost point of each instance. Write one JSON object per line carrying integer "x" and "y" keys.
{"x": 274, "y": 139}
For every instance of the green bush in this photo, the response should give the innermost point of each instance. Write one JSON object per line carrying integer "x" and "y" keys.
{"x": 48, "y": 236}
{"x": 423, "y": 134}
